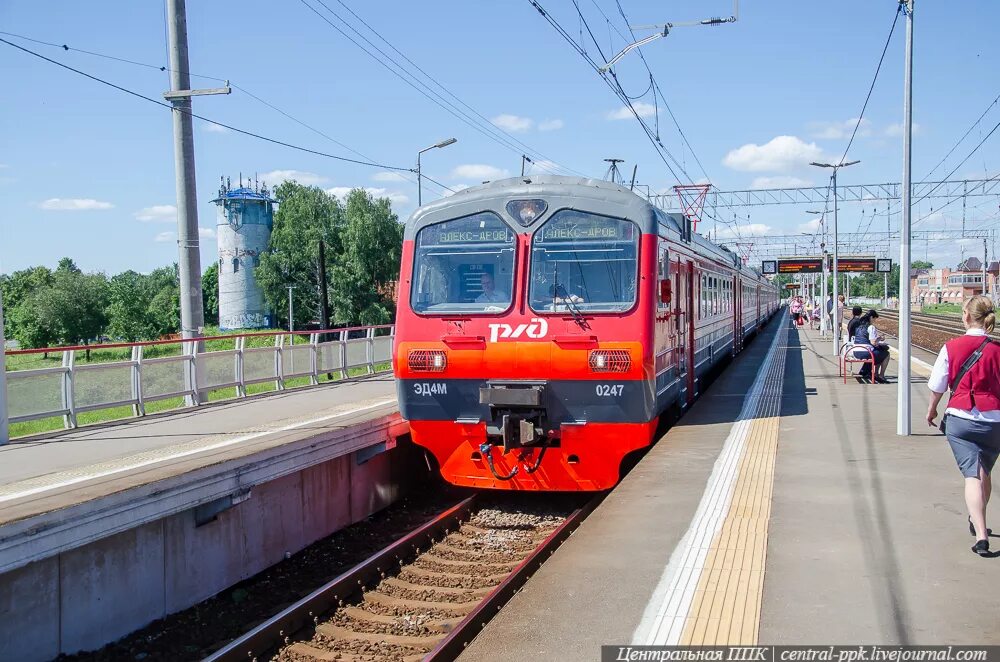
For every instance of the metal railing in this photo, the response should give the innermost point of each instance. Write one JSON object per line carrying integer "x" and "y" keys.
{"x": 71, "y": 388}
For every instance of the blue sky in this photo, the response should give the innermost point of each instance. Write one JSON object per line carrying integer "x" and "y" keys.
{"x": 88, "y": 172}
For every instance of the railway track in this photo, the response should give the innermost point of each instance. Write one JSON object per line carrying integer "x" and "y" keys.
{"x": 422, "y": 598}
{"x": 929, "y": 332}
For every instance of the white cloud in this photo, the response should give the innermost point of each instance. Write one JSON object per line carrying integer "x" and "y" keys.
{"x": 744, "y": 231}
{"x": 810, "y": 227}
{"x": 157, "y": 213}
{"x": 782, "y": 153}
{"x": 478, "y": 172}
{"x": 164, "y": 237}
{"x": 74, "y": 204}
{"x": 212, "y": 127}
{"x": 206, "y": 233}
{"x": 550, "y": 125}
{"x": 395, "y": 197}
{"x": 625, "y": 113}
{"x": 779, "y": 181}
{"x": 896, "y": 130}
{"x": 389, "y": 177}
{"x": 513, "y": 123}
{"x": 276, "y": 177}
{"x": 839, "y": 130}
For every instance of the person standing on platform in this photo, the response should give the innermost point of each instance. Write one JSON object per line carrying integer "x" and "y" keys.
{"x": 840, "y": 311}
{"x": 795, "y": 308}
{"x": 969, "y": 366}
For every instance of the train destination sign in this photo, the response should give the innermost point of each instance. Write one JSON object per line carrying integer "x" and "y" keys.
{"x": 587, "y": 227}
{"x": 804, "y": 265}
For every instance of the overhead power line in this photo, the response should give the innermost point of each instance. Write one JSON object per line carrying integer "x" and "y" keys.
{"x": 482, "y": 125}
{"x": 871, "y": 87}
{"x": 202, "y": 117}
{"x": 253, "y": 96}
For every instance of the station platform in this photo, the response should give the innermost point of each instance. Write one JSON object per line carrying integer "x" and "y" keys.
{"x": 106, "y": 528}
{"x": 781, "y": 509}
{"x": 102, "y": 469}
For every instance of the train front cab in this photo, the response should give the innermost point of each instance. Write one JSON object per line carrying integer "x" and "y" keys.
{"x": 524, "y": 338}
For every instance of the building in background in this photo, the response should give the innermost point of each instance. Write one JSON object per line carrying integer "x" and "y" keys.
{"x": 930, "y": 286}
{"x": 245, "y": 221}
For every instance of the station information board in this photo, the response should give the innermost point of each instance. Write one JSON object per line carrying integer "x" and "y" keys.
{"x": 792, "y": 286}
{"x": 805, "y": 265}
{"x": 810, "y": 265}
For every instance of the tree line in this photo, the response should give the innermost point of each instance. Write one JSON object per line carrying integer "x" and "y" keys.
{"x": 341, "y": 257}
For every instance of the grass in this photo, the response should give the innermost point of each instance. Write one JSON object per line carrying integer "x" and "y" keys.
{"x": 943, "y": 309}
{"x": 97, "y": 356}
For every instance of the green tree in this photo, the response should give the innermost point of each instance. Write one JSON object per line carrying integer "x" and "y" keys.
{"x": 371, "y": 246}
{"x": 70, "y": 310}
{"x": 210, "y": 293}
{"x": 15, "y": 289}
{"x": 128, "y": 307}
{"x": 306, "y": 217}
{"x": 164, "y": 301}
{"x": 921, "y": 264}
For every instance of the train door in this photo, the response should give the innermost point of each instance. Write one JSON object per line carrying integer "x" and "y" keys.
{"x": 688, "y": 325}
{"x": 737, "y": 314}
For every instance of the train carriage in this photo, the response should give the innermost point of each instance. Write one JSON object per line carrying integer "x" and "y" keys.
{"x": 546, "y": 323}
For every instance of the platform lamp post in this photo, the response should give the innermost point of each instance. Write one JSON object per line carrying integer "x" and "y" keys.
{"x": 836, "y": 248}
{"x": 443, "y": 143}
{"x": 822, "y": 250}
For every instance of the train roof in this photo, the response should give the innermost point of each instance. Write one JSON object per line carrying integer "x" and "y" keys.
{"x": 561, "y": 192}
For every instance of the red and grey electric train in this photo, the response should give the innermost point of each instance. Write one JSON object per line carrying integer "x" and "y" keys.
{"x": 546, "y": 323}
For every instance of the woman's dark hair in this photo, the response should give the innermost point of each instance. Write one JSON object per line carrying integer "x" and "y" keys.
{"x": 872, "y": 314}
{"x": 856, "y": 311}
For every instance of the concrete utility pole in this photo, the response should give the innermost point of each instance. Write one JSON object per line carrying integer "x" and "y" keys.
{"x": 291, "y": 311}
{"x": 4, "y": 429}
{"x": 985, "y": 256}
{"x": 822, "y": 251}
{"x": 903, "y": 423}
{"x": 189, "y": 264}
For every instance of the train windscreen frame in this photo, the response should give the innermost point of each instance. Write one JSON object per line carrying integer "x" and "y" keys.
{"x": 464, "y": 265}
{"x": 584, "y": 262}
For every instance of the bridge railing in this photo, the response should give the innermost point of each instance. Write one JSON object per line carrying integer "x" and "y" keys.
{"x": 189, "y": 370}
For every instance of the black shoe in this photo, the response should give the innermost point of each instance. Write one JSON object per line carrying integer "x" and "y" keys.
{"x": 861, "y": 380}
{"x": 982, "y": 547}
{"x": 972, "y": 529}
{"x": 881, "y": 380}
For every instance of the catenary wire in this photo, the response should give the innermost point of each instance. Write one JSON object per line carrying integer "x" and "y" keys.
{"x": 201, "y": 117}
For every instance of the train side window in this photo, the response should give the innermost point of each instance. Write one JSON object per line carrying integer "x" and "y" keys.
{"x": 664, "y": 273}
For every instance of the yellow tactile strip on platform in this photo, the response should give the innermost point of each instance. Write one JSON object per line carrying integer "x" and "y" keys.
{"x": 711, "y": 589}
{"x": 727, "y": 601}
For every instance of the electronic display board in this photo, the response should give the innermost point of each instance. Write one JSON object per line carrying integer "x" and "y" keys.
{"x": 769, "y": 267}
{"x": 805, "y": 265}
{"x": 483, "y": 228}
{"x": 564, "y": 227}
{"x": 856, "y": 264}
{"x": 792, "y": 286}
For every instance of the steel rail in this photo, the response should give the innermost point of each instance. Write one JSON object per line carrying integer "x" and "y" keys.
{"x": 277, "y": 630}
{"x": 451, "y": 647}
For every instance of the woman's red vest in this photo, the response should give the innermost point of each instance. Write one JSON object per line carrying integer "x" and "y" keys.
{"x": 980, "y": 388}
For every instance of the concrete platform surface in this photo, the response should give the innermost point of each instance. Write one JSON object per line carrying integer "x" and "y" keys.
{"x": 782, "y": 509}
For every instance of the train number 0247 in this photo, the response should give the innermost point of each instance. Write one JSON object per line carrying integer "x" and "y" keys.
{"x": 609, "y": 390}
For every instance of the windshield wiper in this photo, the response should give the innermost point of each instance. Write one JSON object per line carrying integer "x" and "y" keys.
{"x": 576, "y": 313}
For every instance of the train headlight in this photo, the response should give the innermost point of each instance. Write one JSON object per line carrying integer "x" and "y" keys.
{"x": 610, "y": 360}
{"x": 526, "y": 212}
{"x": 427, "y": 360}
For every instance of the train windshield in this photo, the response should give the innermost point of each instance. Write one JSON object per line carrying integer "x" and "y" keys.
{"x": 584, "y": 262}
{"x": 464, "y": 266}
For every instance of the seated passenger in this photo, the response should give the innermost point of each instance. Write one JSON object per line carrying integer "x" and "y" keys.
{"x": 852, "y": 325}
{"x": 868, "y": 337}
{"x": 490, "y": 294}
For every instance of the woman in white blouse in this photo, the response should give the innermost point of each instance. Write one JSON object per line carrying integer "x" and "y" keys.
{"x": 970, "y": 367}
